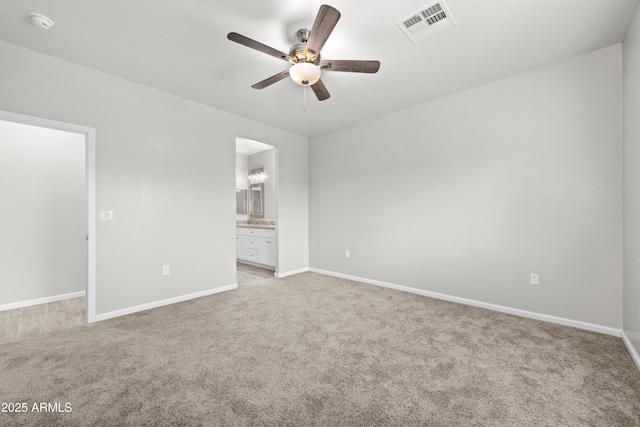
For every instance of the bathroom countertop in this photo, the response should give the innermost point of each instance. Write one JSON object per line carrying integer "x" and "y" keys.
{"x": 265, "y": 225}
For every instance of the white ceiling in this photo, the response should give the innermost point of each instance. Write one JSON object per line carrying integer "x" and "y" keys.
{"x": 247, "y": 147}
{"x": 181, "y": 47}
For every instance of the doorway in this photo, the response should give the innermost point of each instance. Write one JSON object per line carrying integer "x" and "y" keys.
{"x": 53, "y": 220}
{"x": 257, "y": 204}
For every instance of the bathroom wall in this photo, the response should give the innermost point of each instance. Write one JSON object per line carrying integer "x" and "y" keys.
{"x": 266, "y": 159}
{"x": 241, "y": 179}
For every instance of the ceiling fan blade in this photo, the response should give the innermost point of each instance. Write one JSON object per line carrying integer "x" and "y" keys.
{"x": 271, "y": 80}
{"x": 320, "y": 90}
{"x": 246, "y": 41}
{"x": 351, "y": 66}
{"x": 326, "y": 19}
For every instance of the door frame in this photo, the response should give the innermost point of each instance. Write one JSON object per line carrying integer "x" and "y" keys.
{"x": 276, "y": 166}
{"x": 90, "y": 177}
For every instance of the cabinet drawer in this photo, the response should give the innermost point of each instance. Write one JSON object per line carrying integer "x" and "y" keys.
{"x": 252, "y": 232}
{"x": 253, "y": 255}
{"x": 253, "y": 243}
{"x": 242, "y": 231}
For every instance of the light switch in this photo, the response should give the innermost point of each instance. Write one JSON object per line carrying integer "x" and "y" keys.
{"x": 534, "y": 279}
{"x": 105, "y": 215}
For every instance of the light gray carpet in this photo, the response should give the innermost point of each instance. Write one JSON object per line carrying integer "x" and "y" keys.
{"x": 313, "y": 350}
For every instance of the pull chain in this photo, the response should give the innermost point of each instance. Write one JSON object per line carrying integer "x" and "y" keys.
{"x": 304, "y": 90}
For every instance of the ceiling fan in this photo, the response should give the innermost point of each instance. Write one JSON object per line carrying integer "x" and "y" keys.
{"x": 305, "y": 56}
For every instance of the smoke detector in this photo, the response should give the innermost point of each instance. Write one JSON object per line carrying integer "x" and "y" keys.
{"x": 39, "y": 20}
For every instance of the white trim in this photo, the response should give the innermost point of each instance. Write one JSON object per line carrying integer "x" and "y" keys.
{"x": 291, "y": 273}
{"x": 522, "y": 313}
{"x": 38, "y": 301}
{"x": 90, "y": 168}
{"x": 90, "y": 154}
{"x": 161, "y": 303}
{"x": 631, "y": 349}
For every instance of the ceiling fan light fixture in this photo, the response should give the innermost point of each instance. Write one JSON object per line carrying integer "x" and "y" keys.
{"x": 305, "y": 56}
{"x": 305, "y": 73}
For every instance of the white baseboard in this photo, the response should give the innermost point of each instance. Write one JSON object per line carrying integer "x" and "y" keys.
{"x": 38, "y": 301}
{"x": 522, "y": 313}
{"x": 148, "y": 306}
{"x": 291, "y": 273}
{"x": 632, "y": 351}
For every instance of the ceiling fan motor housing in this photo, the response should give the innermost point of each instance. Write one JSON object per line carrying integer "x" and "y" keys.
{"x": 297, "y": 50}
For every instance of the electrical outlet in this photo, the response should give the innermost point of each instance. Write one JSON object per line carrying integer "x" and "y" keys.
{"x": 166, "y": 269}
{"x": 535, "y": 279}
{"x": 346, "y": 254}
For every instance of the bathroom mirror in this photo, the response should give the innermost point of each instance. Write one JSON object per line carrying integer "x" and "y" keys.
{"x": 256, "y": 198}
{"x": 241, "y": 201}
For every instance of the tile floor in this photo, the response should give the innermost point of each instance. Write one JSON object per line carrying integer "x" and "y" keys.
{"x": 40, "y": 319}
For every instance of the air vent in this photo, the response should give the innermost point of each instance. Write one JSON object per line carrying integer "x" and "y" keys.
{"x": 427, "y": 21}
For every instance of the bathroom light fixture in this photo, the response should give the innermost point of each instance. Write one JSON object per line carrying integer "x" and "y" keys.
{"x": 256, "y": 174}
{"x": 39, "y": 20}
{"x": 305, "y": 73}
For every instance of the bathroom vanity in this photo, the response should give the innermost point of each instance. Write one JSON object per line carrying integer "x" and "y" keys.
{"x": 256, "y": 244}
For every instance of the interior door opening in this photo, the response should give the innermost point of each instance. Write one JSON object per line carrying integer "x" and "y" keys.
{"x": 50, "y": 210}
{"x": 256, "y": 205}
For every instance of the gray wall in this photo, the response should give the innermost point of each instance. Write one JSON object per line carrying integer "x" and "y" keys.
{"x": 166, "y": 167}
{"x": 469, "y": 194}
{"x": 242, "y": 172}
{"x": 241, "y": 179}
{"x": 42, "y": 189}
{"x": 631, "y": 145}
{"x": 267, "y": 160}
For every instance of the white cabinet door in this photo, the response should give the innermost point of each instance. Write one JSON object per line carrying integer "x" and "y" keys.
{"x": 241, "y": 247}
{"x": 272, "y": 253}
{"x": 265, "y": 250}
